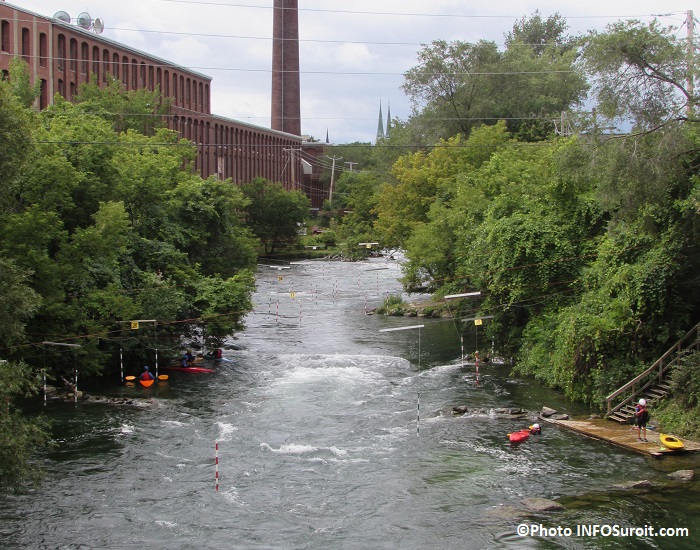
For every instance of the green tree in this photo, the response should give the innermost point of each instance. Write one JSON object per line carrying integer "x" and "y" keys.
{"x": 451, "y": 89}
{"x": 142, "y": 110}
{"x": 459, "y": 86}
{"x": 273, "y": 213}
{"x": 17, "y": 144}
{"x": 541, "y": 77}
{"x": 356, "y": 196}
{"x": 640, "y": 73}
{"x": 424, "y": 178}
{"x": 20, "y": 82}
{"x": 20, "y": 437}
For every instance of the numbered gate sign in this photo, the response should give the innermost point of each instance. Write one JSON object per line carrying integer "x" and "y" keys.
{"x": 477, "y": 321}
{"x": 134, "y": 325}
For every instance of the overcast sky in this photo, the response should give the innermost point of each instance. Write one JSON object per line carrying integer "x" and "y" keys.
{"x": 352, "y": 54}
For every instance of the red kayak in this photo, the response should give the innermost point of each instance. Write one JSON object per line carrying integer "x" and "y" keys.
{"x": 147, "y": 383}
{"x": 519, "y": 437}
{"x": 197, "y": 370}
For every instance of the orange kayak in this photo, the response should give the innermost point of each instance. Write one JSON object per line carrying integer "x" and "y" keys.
{"x": 518, "y": 437}
{"x": 146, "y": 383}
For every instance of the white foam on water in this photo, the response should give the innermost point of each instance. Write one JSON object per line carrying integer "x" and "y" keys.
{"x": 167, "y": 524}
{"x": 300, "y": 449}
{"x": 226, "y": 431}
{"x": 126, "y": 429}
{"x": 175, "y": 423}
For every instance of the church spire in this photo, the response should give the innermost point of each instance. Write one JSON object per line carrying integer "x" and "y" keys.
{"x": 380, "y": 124}
{"x": 388, "y": 118}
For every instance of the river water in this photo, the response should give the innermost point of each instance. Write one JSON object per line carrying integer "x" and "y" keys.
{"x": 330, "y": 436}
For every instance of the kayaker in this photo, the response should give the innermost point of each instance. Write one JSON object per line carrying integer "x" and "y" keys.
{"x": 187, "y": 359}
{"x": 641, "y": 417}
{"x": 535, "y": 429}
{"x": 146, "y": 374}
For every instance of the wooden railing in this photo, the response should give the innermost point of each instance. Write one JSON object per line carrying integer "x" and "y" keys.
{"x": 655, "y": 373}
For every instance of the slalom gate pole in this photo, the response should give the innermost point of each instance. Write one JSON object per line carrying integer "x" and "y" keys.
{"x": 216, "y": 460}
{"x": 418, "y": 416}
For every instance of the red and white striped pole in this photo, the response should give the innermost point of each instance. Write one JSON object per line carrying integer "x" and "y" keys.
{"x": 476, "y": 356}
{"x": 216, "y": 458}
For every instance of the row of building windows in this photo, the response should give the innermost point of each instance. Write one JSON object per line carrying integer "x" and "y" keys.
{"x": 186, "y": 92}
{"x": 76, "y": 61}
{"x": 226, "y": 148}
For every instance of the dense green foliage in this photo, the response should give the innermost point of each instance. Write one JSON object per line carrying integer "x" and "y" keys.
{"x": 274, "y": 214}
{"x": 585, "y": 248}
{"x": 679, "y": 412}
{"x": 106, "y": 223}
{"x": 458, "y": 86}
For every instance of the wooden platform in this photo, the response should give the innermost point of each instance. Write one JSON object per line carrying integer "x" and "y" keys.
{"x": 622, "y": 435}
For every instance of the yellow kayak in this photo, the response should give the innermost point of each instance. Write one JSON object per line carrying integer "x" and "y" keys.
{"x": 670, "y": 442}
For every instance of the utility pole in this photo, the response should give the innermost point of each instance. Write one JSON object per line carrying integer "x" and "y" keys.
{"x": 690, "y": 23}
{"x": 330, "y": 191}
{"x": 292, "y": 154}
{"x": 351, "y": 164}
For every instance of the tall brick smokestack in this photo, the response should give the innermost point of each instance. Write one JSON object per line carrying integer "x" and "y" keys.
{"x": 286, "y": 110}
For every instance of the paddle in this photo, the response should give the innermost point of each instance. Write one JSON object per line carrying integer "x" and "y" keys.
{"x": 160, "y": 377}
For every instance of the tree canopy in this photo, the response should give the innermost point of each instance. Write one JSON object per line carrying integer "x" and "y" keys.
{"x": 584, "y": 248}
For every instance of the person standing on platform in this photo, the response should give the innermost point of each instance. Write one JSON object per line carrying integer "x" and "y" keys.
{"x": 641, "y": 417}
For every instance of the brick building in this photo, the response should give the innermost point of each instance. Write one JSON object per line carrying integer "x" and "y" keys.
{"x": 62, "y": 56}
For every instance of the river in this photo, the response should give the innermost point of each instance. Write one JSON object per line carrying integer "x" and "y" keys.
{"x": 330, "y": 436}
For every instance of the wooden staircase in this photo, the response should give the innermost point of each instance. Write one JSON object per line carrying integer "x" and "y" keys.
{"x": 652, "y": 384}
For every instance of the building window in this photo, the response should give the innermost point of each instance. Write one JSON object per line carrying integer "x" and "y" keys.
{"x": 43, "y": 49}
{"x": 73, "y": 54}
{"x": 105, "y": 64}
{"x": 115, "y": 65}
{"x": 96, "y": 62}
{"x": 61, "y": 87}
{"x": 125, "y": 72}
{"x": 5, "y": 31}
{"x": 85, "y": 58}
{"x": 26, "y": 45}
{"x": 134, "y": 74}
{"x": 61, "y": 52}
{"x": 44, "y": 95}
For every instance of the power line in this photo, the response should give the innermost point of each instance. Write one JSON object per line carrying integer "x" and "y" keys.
{"x": 408, "y": 14}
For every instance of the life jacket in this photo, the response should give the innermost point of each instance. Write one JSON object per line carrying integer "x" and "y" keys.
{"x": 147, "y": 376}
{"x": 642, "y": 414}
{"x": 218, "y": 354}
